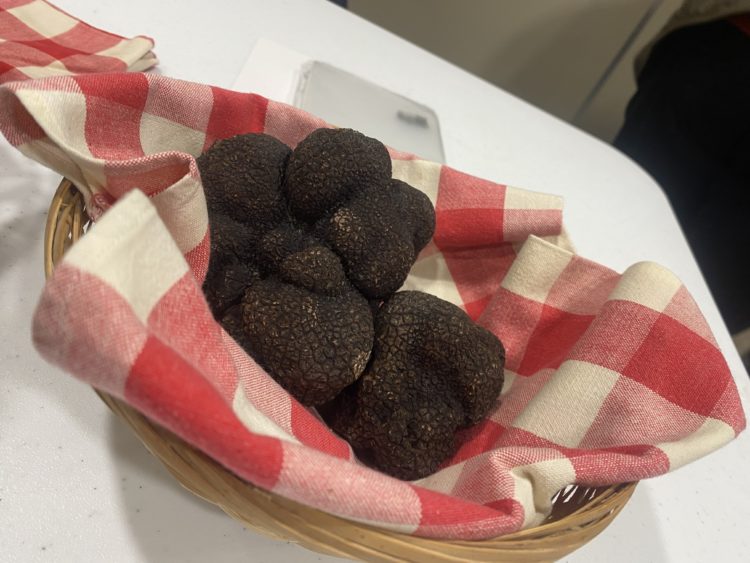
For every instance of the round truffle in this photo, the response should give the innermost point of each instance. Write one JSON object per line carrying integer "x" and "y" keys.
{"x": 230, "y": 240}
{"x": 242, "y": 178}
{"x": 294, "y": 256}
{"x": 314, "y": 345}
{"x": 330, "y": 164}
{"x": 432, "y": 372}
{"x": 226, "y": 283}
{"x": 378, "y": 234}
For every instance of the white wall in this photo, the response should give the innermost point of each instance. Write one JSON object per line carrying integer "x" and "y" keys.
{"x": 551, "y": 53}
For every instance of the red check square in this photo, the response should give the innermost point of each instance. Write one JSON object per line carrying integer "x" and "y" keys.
{"x": 554, "y": 335}
{"x": 113, "y": 115}
{"x": 93, "y": 39}
{"x": 19, "y": 55}
{"x": 671, "y": 350}
{"x": 623, "y": 463}
{"x": 461, "y": 191}
{"x": 234, "y": 113}
{"x": 52, "y": 48}
{"x": 83, "y": 63}
{"x": 122, "y": 179}
{"x": 478, "y": 272}
{"x": 131, "y": 91}
{"x": 457, "y": 228}
{"x": 476, "y": 440}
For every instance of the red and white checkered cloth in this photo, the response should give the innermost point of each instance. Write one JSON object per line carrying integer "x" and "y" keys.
{"x": 610, "y": 377}
{"x": 39, "y": 40}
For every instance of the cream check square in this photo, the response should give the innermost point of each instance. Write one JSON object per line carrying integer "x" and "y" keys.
{"x": 566, "y": 407}
{"x": 55, "y": 68}
{"x": 510, "y": 378}
{"x": 516, "y": 198}
{"x": 157, "y": 133}
{"x": 131, "y": 237}
{"x": 43, "y": 18}
{"x": 712, "y": 435}
{"x": 256, "y": 421}
{"x": 648, "y": 284}
{"x": 536, "y": 483}
{"x": 536, "y": 269}
{"x": 431, "y": 274}
{"x": 51, "y": 155}
{"x": 444, "y": 481}
{"x": 190, "y": 225}
{"x": 423, "y": 175}
{"x": 125, "y": 48}
{"x": 66, "y": 128}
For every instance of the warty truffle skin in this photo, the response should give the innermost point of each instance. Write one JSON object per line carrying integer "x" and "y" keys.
{"x": 294, "y": 256}
{"x": 323, "y": 235}
{"x": 314, "y": 345}
{"x": 432, "y": 372}
{"x": 225, "y": 284}
{"x": 329, "y": 165}
{"x": 242, "y": 177}
{"x": 378, "y": 234}
{"x": 281, "y": 293}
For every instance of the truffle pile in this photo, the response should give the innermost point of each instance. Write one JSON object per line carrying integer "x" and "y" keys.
{"x": 308, "y": 249}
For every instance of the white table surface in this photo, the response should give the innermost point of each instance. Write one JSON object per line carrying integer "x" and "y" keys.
{"x": 76, "y": 485}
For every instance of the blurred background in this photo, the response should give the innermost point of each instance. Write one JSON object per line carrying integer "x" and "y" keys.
{"x": 665, "y": 81}
{"x": 572, "y": 58}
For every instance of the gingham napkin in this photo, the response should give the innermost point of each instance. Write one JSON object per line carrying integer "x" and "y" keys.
{"x": 37, "y": 40}
{"x": 611, "y": 377}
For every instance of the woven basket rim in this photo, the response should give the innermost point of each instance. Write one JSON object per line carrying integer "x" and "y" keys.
{"x": 579, "y": 514}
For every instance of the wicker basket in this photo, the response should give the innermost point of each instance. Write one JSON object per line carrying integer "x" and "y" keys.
{"x": 578, "y": 515}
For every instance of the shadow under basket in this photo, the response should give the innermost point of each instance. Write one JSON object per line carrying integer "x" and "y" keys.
{"x": 578, "y": 515}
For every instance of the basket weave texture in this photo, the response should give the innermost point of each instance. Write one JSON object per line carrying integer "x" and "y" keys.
{"x": 579, "y": 513}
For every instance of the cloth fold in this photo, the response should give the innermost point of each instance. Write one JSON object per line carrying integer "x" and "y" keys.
{"x": 40, "y": 40}
{"x": 610, "y": 377}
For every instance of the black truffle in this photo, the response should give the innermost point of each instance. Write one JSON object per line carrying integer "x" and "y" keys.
{"x": 313, "y": 344}
{"x": 378, "y": 234}
{"x": 300, "y": 317}
{"x": 230, "y": 240}
{"x": 330, "y": 164}
{"x": 305, "y": 246}
{"x": 226, "y": 284}
{"x": 242, "y": 178}
{"x": 432, "y": 372}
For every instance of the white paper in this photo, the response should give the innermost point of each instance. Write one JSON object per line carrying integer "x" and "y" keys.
{"x": 341, "y": 98}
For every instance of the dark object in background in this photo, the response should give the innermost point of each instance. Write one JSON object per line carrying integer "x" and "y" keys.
{"x": 688, "y": 125}
{"x": 432, "y": 372}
